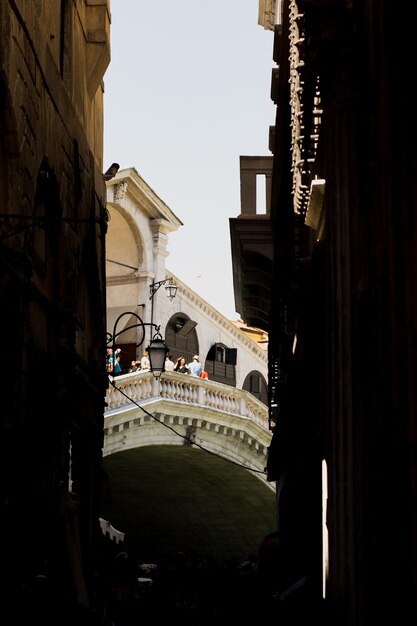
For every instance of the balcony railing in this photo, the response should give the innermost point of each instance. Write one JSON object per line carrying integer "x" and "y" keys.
{"x": 141, "y": 387}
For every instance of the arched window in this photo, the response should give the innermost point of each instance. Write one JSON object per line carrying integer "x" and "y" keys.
{"x": 46, "y": 205}
{"x": 181, "y": 337}
{"x": 255, "y": 383}
{"x": 220, "y": 364}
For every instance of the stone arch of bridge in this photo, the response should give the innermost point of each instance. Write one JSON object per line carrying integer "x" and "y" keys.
{"x": 186, "y": 467}
{"x": 162, "y": 422}
{"x": 167, "y": 499}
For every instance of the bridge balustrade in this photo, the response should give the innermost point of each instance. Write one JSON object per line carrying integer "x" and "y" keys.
{"x": 139, "y": 387}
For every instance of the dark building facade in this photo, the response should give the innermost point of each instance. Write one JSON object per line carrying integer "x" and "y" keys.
{"x": 342, "y": 314}
{"x": 53, "y": 56}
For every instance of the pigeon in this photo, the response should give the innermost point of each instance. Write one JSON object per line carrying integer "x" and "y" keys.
{"x": 112, "y": 171}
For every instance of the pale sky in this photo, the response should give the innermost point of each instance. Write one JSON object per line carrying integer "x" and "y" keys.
{"x": 187, "y": 92}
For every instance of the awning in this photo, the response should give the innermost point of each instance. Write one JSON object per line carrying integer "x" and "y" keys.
{"x": 187, "y": 328}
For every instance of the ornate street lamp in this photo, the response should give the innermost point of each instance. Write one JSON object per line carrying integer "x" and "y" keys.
{"x": 170, "y": 290}
{"x": 170, "y": 287}
{"x": 157, "y": 351}
{"x": 157, "y": 348}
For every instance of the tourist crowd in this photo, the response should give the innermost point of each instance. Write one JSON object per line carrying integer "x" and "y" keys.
{"x": 114, "y": 365}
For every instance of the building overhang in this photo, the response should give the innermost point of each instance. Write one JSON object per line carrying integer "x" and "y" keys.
{"x": 252, "y": 255}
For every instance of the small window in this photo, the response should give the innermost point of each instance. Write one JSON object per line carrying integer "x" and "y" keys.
{"x": 46, "y": 205}
{"x": 179, "y": 322}
{"x": 185, "y": 327}
{"x": 220, "y": 354}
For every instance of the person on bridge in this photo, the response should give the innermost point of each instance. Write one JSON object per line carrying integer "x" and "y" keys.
{"x": 181, "y": 366}
{"x": 145, "y": 364}
{"x": 195, "y": 366}
{"x": 169, "y": 363}
{"x": 134, "y": 366}
{"x": 117, "y": 366}
{"x": 109, "y": 360}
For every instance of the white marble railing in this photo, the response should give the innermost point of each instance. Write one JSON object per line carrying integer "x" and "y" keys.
{"x": 139, "y": 388}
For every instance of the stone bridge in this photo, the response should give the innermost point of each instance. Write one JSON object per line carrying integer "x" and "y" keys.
{"x": 183, "y": 410}
{"x": 186, "y": 463}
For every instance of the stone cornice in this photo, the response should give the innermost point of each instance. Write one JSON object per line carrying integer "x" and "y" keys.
{"x": 220, "y": 320}
{"x": 140, "y": 193}
{"x": 266, "y": 13}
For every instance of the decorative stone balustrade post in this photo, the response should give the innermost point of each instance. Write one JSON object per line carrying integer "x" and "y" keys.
{"x": 201, "y": 396}
{"x": 156, "y": 391}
